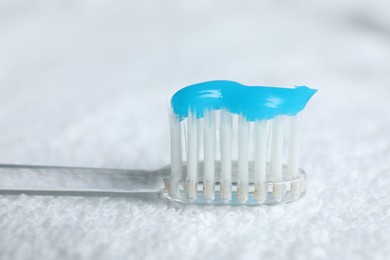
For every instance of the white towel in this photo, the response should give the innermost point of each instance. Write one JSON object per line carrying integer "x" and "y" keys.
{"x": 86, "y": 83}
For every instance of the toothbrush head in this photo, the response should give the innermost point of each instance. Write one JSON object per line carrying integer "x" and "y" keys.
{"x": 229, "y": 132}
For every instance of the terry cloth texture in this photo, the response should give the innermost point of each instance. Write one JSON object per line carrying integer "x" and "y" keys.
{"x": 86, "y": 83}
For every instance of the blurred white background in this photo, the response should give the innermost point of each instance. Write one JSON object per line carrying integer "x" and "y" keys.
{"x": 82, "y": 81}
{"x": 87, "y": 83}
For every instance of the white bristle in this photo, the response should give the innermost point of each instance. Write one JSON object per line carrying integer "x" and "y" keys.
{"x": 277, "y": 156}
{"x": 209, "y": 155}
{"x": 176, "y": 157}
{"x": 293, "y": 150}
{"x": 293, "y": 155}
{"x": 192, "y": 156}
{"x": 243, "y": 142}
{"x": 226, "y": 154}
{"x": 260, "y": 159}
{"x": 201, "y": 134}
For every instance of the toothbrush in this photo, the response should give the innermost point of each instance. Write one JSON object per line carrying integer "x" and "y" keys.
{"x": 222, "y": 112}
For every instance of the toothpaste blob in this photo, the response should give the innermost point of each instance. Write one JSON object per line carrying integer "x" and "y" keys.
{"x": 252, "y": 102}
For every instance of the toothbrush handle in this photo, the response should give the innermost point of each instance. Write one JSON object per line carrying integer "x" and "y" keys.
{"x": 17, "y": 179}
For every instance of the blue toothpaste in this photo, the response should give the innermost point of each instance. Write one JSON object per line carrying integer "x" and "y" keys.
{"x": 252, "y": 102}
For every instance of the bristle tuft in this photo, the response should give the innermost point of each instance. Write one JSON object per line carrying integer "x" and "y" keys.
{"x": 192, "y": 156}
{"x": 265, "y": 183}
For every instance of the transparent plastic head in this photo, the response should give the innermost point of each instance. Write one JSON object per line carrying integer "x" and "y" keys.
{"x": 234, "y": 193}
